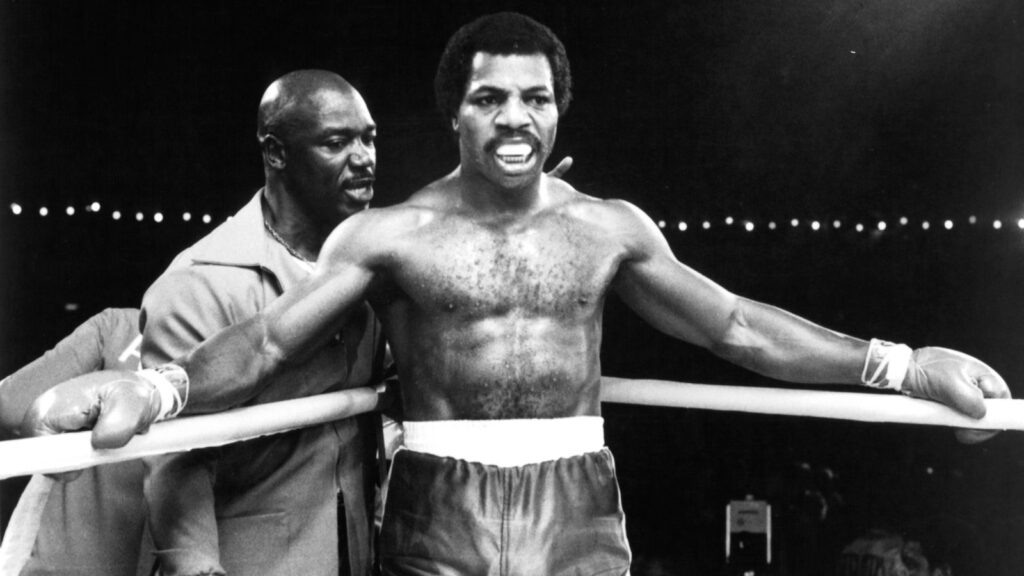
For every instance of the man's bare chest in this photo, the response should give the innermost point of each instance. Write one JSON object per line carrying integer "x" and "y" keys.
{"x": 535, "y": 270}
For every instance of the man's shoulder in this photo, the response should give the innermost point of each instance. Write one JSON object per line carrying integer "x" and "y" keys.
{"x": 231, "y": 249}
{"x": 201, "y": 264}
{"x": 425, "y": 205}
{"x": 233, "y": 241}
{"x": 203, "y": 286}
{"x": 376, "y": 235}
{"x": 612, "y": 221}
{"x": 434, "y": 198}
{"x": 116, "y": 320}
{"x": 591, "y": 207}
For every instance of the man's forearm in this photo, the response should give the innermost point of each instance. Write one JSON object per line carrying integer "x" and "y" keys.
{"x": 227, "y": 369}
{"x": 781, "y": 345}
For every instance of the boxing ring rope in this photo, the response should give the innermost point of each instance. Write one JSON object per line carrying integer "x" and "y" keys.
{"x": 72, "y": 451}
{"x": 860, "y": 406}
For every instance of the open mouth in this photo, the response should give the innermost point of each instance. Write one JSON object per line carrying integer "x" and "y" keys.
{"x": 359, "y": 188}
{"x": 514, "y": 155}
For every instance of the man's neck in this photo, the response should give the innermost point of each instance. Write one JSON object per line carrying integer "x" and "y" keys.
{"x": 290, "y": 224}
{"x": 488, "y": 197}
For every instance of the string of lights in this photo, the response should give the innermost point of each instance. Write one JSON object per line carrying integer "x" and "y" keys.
{"x": 678, "y": 225}
{"x": 880, "y": 225}
{"x": 96, "y": 208}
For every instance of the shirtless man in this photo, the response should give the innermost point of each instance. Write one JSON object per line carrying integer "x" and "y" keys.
{"x": 490, "y": 283}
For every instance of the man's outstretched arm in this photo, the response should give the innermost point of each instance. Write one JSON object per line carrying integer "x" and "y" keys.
{"x": 682, "y": 303}
{"x": 220, "y": 373}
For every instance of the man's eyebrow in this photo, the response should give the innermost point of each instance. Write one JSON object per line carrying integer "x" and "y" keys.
{"x": 487, "y": 88}
{"x": 349, "y": 132}
{"x": 492, "y": 88}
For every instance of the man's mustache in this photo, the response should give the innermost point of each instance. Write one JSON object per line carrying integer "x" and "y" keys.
{"x": 359, "y": 181}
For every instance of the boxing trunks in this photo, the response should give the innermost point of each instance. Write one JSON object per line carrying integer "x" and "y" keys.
{"x": 505, "y": 512}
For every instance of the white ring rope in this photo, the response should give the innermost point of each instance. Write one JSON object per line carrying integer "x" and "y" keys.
{"x": 865, "y": 407}
{"x": 72, "y": 451}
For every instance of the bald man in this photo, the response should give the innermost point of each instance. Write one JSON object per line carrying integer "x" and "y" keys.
{"x": 269, "y": 506}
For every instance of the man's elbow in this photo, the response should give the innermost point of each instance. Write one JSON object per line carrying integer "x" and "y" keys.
{"x": 268, "y": 350}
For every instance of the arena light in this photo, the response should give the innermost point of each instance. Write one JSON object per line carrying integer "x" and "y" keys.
{"x": 748, "y": 224}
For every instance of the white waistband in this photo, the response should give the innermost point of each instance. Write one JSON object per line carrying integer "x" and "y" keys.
{"x": 514, "y": 442}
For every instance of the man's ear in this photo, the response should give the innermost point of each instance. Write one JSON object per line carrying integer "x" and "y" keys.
{"x": 273, "y": 152}
{"x": 455, "y": 124}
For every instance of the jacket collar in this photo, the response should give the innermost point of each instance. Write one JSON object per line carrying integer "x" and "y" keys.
{"x": 244, "y": 242}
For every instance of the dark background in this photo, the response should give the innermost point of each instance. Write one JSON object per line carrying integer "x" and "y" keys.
{"x": 864, "y": 111}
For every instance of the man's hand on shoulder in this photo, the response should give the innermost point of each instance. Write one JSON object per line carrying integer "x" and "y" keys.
{"x": 115, "y": 404}
{"x": 956, "y": 380}
{"x": 561, "y": 168}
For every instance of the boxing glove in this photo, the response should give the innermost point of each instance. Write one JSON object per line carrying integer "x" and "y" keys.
{"x": 116, "y": 404}
{"x": 956, "y": 380}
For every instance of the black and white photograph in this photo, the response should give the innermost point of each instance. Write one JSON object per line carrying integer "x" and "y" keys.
{"x": 523, "y": 288}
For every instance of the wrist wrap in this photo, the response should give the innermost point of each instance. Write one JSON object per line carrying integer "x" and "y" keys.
{"x": 886, "y": 365}
{"x": 167, "y": 379}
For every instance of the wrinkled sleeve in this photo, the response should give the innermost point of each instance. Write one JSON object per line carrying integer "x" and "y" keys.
{"x": 78, "y": 353}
